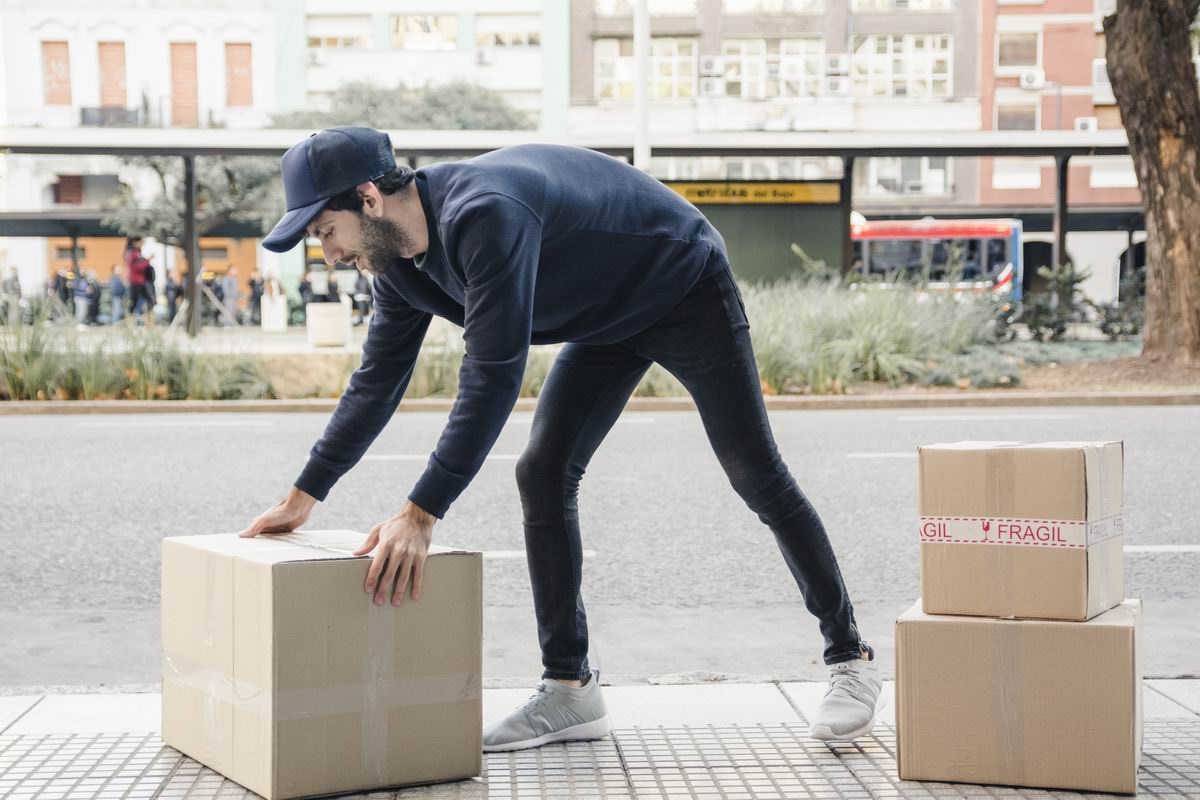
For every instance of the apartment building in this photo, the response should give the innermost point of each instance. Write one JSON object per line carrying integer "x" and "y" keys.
{"x": 1043, "y": 68}
{"x": 121, "y": 63}
{"x": 804, "y": 65}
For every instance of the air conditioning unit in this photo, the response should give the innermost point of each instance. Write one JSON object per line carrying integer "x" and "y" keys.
{"x": 712, "y": 66}
{"x": 1033, "y": 78}
{"x": 315, "y": 58}
{"x": 712, "y": 87}
{"x": 483, "y": 55}
{"x": 835, "y": 86}
{"x": 773, "y": 69}
{"x": 837, "y": 64}
{"x": 1088, "y": 124}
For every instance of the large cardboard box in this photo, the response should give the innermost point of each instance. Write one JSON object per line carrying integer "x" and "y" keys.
{"x": 1021, "y": 530}
{"x": 1049, "y": 704}
{"x": 281, "y": 673}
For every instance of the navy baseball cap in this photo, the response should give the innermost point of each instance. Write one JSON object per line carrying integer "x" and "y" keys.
{"x": 325, "y": 164}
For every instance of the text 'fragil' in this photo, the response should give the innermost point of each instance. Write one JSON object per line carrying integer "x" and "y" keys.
{"x": 934, "y": 531}
{"x": 1017, "y": 532}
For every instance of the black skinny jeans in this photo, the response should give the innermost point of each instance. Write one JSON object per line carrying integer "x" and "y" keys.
{"x": 704, "y": 342}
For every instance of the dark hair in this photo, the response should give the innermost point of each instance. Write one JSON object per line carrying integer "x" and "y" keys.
{"x": 387, "y": 183}
{"x": 129, "y": 240}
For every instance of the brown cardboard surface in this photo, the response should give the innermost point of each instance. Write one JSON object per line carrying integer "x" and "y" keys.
{"x": 280, "y": 672}
{"x": 1021, "y": 530}
{"x": 1039, "y": 703}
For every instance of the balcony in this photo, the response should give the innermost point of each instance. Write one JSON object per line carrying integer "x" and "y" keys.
{"x": 111, "y": 117}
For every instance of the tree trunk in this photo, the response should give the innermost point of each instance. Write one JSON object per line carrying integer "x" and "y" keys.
{"x": 1154, "y": 81}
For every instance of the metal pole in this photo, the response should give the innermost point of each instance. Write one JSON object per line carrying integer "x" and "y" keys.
{"x": 1059, "y": 254}
{"x": 190, "y": 251}
{"x": 641, "y": 73}
{"x": 846, "y": 203}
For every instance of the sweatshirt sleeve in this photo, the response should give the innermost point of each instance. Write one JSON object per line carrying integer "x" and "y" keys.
{"x": 389, "y": 353}
{"x": 497, "y": 240}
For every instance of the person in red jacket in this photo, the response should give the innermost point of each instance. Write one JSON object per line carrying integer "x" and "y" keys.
{"x": 135, "y": 266}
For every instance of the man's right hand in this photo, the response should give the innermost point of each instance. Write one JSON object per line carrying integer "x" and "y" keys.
{"x": 290, "y": 513}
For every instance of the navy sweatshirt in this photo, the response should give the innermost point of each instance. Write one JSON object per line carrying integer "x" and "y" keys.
{"x": 529, "y": 244}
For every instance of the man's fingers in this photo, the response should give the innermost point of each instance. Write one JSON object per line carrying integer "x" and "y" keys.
{"x": 366, "y": 546}
{"x": 389, "y": 578}
{"x": 402, "y": 582}
{"x": 418, "y": 569}
{"x": 253, "y": 530}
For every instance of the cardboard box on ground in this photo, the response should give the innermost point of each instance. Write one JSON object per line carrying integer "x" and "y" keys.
{"x": 1021, "y": 663}
{"x": 1021, "y": 530}
{"x": 1040, "y": 703}
{"x": 281, "y": 673}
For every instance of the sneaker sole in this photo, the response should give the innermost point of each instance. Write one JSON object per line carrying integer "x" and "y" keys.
{"x": 595, "y": 729}
{"x": 824, "y": 734}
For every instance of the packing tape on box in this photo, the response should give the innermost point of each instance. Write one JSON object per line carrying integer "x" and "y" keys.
{"x": 373, "y": 698}
{"x": 1008, "y": 696}
{"x": 1059, "y": 533}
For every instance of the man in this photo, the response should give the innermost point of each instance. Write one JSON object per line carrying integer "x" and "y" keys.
{"x": 539, "y": 244}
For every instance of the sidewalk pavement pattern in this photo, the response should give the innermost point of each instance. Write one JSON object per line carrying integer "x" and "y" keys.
{"x": 704, "y": 741}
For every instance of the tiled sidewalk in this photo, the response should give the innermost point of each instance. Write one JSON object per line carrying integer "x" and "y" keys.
{"x": 735, "y": 741}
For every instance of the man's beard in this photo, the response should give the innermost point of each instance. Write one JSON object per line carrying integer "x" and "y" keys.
{"x": 382, "y": 242}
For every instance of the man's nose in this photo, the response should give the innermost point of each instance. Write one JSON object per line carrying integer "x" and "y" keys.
{"x": 330, "y": 254}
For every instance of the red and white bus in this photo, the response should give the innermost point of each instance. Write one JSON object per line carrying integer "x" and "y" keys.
{"x": 990, "y": 250}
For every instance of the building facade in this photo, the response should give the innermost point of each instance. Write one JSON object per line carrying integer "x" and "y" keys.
{"x": 70, "y": 63}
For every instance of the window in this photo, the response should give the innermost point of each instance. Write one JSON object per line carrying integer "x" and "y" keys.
{"x": 425, "y": 31}
{"x": 184, "y": 95}
{"x": 1016, "y": 117}
{"x": 68, "y": 190}
{"x": 902, "y": 5}
{"x": 329, "y": 32}
{"x": 214, "y": 254}
{"x": 239, "y": 82}
{"x": 618, "y": 8}
{"x": 508, "y": 30}
{"x": 56, "y": 73}
{"x": 774, "y": 6}
{"x": 672, "y": 68}
{"x": 902, "y": 65}
{"x": 64, "y": 253}
{"x": 1018, "y": 50}
{"x": 111, "y": 56}
{"x": 890, "y": 177}
{"x": 759, "y": 68}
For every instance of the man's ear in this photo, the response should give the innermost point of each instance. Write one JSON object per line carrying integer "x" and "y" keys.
{"x": 372, "y": 199}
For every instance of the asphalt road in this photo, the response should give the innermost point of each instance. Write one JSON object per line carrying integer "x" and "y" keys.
{"x": 682, "y": 581}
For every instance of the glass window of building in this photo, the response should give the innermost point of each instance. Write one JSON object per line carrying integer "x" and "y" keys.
{"x": 774, "y": 6}
{"x": 887, "y": 177}
{"x": 617, "y": 8}
{"x": 424, "y": 31}
{"x": 672, "y": 68}
{"x": 763, "y": 68}
{"x": 869, "y": 6}
{"x": 1022, "y": 117}
{"x": 1016, "y": 50}
{"x": 508, "y": 30}
{"x": 903, "y": 65}
{"x": 328, "y": 31}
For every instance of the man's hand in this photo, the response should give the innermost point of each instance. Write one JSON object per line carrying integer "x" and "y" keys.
{"x": 290, "y": 513}
{"x": 403, "y": 541}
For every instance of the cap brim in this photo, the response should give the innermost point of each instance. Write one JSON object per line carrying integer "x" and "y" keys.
{"x": 290, "y": 228}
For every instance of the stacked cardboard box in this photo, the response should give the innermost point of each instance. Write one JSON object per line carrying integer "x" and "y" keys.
{"x": 281, "y": 673}
{"x": 1021, "y": 663}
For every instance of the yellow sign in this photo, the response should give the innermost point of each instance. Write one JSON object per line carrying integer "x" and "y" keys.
{"x": 741, "y": 192}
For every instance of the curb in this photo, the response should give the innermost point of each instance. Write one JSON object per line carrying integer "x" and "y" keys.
{"x": 773, "y": 402}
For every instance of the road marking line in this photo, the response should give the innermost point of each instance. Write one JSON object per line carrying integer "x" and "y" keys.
{"x": 881, "y": 455}
{"x": 980, "y": 417}
{"x": 515, "y": 554}
{"x": 182, "y": 423}
{"x": 1162, "y": 548}
{"x": 406, "y": 457}
{"x": 525, "y": 420}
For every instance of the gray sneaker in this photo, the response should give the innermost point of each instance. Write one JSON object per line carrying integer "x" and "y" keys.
{"x": 553, "y": 713}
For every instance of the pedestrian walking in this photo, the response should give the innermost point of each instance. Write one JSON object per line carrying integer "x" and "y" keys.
{"x": 229, "y": 296}
{"x": 116, "y": 294}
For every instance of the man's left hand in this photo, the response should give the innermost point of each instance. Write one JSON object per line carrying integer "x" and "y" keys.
{"x": 403, "y": 544}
